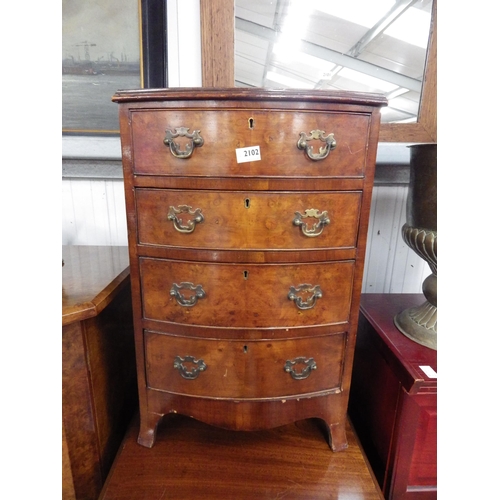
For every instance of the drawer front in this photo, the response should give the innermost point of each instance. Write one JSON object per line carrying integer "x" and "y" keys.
{"x": 247, "y": 220}
{"x": 246, "y": 295}
{"x": 243, "y": 369}
{"x": 222, "y": 132}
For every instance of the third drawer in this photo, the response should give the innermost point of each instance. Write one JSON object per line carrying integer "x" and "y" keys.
{"x": 246, "y": 295}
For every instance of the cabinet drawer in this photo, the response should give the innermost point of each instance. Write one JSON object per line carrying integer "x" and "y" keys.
{"x": 247, "y": 220}
{"x": 246, "y": 295}
{"x": 223, "y": 131}
{"x": 243, "y": 369}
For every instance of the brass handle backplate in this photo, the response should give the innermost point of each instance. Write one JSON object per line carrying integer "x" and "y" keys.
{"x": 317, "y": 227}
{"x": 329, "y": 140}
{"x": 199, "y": 293}
{"x": 175, "y": 148}
{"x": 173, "y": 215}
{"x": 199, "y": 367}
{"x": 309, "y": 366}
{"x": 296, "y": 294}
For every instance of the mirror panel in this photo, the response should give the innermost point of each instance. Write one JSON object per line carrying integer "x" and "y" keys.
{"x": 362, "y": 45}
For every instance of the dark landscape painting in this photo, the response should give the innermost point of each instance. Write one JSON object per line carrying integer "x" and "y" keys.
{"x": 100, "y": 55}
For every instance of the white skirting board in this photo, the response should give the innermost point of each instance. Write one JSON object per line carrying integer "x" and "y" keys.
{"x": 93, "y": 213}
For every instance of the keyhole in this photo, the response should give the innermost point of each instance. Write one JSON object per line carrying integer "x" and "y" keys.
{"x": 250, "y": 123}
{"x": 247, "y": 202}
{"x": 245, "y": 349}
{"x": 245, "y": 275}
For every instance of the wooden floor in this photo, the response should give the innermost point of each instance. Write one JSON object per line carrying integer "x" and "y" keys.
{"x": 192, "y": 460}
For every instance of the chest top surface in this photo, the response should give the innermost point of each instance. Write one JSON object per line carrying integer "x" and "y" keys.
{"x": 256, "y": 95}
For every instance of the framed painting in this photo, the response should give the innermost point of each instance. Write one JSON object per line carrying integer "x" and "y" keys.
{"x": 107, "y": 46}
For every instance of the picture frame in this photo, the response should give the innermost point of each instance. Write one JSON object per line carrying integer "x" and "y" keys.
{"x": 107, "y": 47}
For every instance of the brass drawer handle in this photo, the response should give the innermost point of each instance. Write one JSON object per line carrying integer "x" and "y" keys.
{"x": 190, "y": 224}
{"x": 310, "y": 365}
{"x": 317, "y": 227}
{"x": 199, "y": 293}
{"x": 330, "y": 144}
{"x": 200, "y": 366}
{"x": 175, "y": 149}
{"x": 296, "y": 294}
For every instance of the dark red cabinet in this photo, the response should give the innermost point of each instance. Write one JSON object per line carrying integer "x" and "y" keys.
{"x": 393, "y": 403}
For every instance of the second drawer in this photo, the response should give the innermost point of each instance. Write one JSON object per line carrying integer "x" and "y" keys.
{"x": 247, "y": 220}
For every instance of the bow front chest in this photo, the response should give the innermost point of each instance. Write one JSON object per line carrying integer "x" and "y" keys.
{"x": 247, "y": 213}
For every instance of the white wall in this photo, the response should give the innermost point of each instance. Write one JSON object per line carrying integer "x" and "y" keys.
{"x": 93, "y": 212}
{"x": 390, "y": 265}
{"x": 184, "y": 43}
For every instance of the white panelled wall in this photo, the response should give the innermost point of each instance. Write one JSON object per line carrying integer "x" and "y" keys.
{"x": 390, "y": 265}
{"x": 94, "y": 214}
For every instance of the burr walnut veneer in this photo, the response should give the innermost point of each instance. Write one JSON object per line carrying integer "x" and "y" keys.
{"x": 247, "y": 214}
{"x": 99, "y": 396}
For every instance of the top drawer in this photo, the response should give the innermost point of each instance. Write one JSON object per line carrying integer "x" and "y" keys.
{"x": 276, "y": 133}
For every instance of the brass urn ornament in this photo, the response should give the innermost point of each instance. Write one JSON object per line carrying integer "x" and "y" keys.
{"x": 420, "y": 234}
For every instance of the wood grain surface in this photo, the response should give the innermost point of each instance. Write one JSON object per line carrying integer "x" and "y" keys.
{"x": 192, "y": 460}
{"x": 99, "y": 394}
{"x": 91, "y": 277}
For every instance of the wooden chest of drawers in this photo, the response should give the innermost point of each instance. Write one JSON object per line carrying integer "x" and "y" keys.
{"x": 247, "y": 214}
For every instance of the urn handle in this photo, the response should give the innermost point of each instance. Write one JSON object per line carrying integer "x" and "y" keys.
{"x": 324, "y": 151}
{"x": 308, "y": 366}
{"x": 190, "y": 301}
{"x": 199, "y": 366}
{"x": 175, "y": 148}
{"x": 298, "y": 295}
{"x": 189, "y": 226}
{"x": 317, "y": 227}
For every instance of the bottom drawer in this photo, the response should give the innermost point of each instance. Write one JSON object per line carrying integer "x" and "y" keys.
{"x": 239, "y": 369}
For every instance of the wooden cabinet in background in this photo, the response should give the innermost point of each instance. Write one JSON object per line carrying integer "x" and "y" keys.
{"x": 99, "y": 388}
{"x": 247, "y": 214}
{"x": 393, "y": 404}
